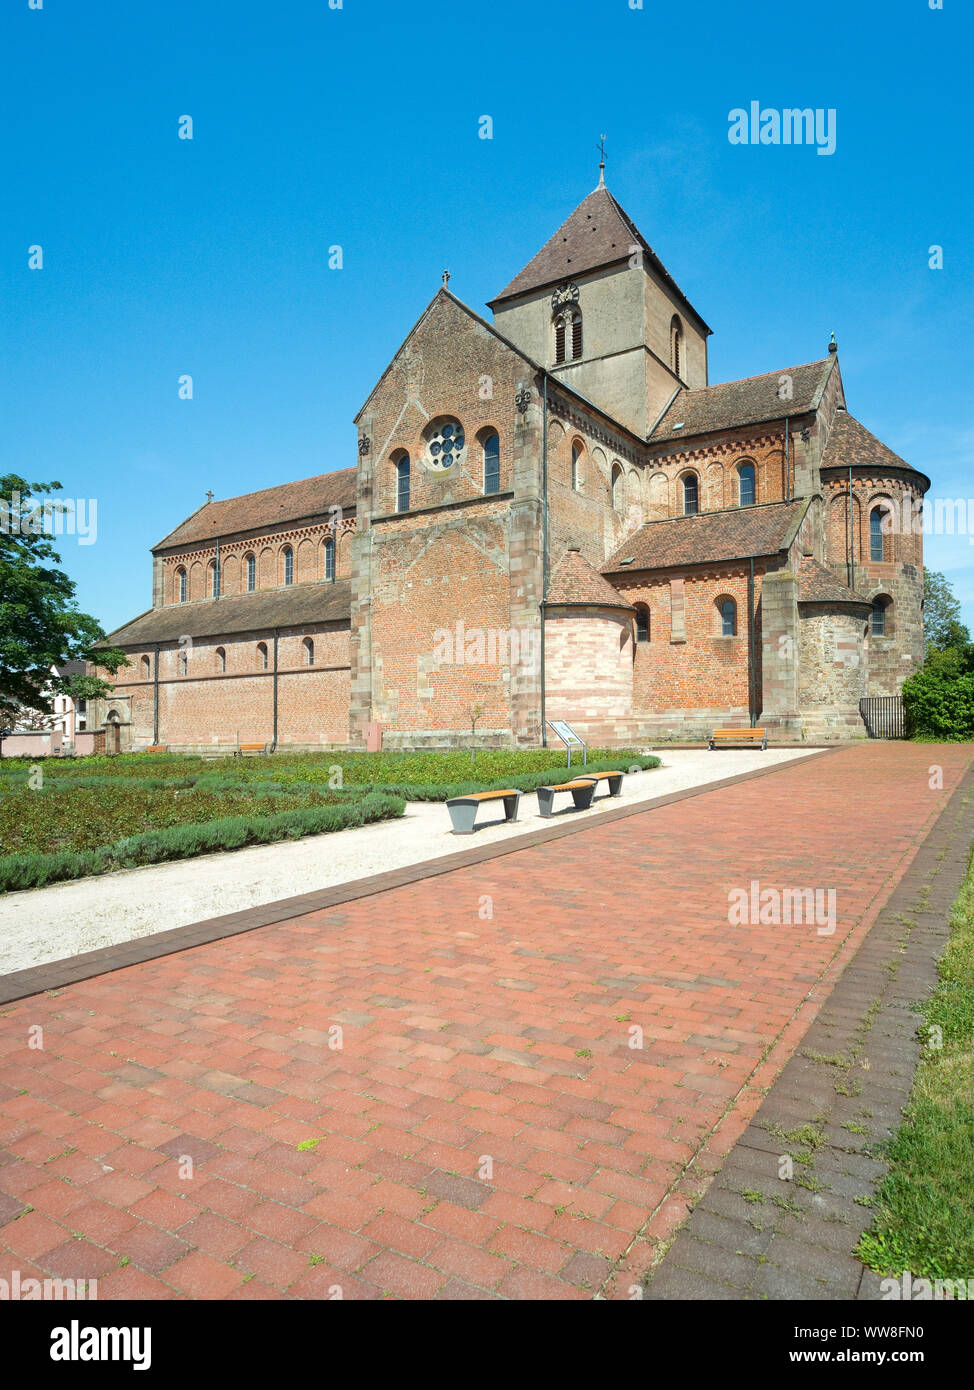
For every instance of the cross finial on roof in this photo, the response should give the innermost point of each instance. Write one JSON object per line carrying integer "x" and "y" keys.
{"x": 446, "y": 279}
{"x": 209, "y": 496}
{"x": 601, "y": 161}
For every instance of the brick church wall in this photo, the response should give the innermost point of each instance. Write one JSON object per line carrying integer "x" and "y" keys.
{"x": 699, "y": 670}
{"x": 897, "y": 578}
{"x": 307, "y": 544}
{"x": 438, "y": 584}
{"x": 457, "y": 556}
{"x": 207, "y": 707}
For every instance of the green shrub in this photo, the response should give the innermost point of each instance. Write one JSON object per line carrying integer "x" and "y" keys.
{"x": 938, "y": 701}
{"x": 20, "y": 871}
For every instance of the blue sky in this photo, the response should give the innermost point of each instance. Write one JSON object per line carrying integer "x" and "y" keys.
{"x": 359, "y": 127}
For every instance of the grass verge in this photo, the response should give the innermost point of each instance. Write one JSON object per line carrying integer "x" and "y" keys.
{"x": 925, "y": 1206}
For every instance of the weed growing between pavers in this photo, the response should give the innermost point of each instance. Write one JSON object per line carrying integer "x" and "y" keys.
{"x": 925, "y": 1206}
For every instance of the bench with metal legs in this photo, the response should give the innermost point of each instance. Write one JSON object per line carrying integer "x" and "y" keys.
{"x": 463, "y": 809}
{"x": 742, "y": 738}
{"x": 581, "y": 788}
{"x": 614, "y": 780}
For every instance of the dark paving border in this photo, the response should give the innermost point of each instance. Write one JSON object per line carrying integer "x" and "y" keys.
{"x": 19, "y": 984}
{"x": 785, "y": 1240}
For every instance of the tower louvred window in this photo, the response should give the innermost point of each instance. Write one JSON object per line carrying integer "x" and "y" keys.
{"x": 560, "y": 339}
{"x": 577, "y": 336}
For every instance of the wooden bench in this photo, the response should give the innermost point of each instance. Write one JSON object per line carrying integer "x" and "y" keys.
{"x": 614, "y": 780}
{"x": 463, "y": 809}
{"x": 257, "y": 748}
{"x": 742, "y": 738}
{"x": 581, "y": 788}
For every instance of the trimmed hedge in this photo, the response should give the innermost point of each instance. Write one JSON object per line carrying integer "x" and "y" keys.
{"x": 444, "y": 768}
{"x": 19, "y": 781}
{"x": 20, "y": 871}
{"x": 357, "y": 804}
{"x": 408, "y": 791}
{"x": 525, "y": 782}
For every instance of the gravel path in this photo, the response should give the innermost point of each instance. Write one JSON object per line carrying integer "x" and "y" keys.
{"x": 68, "y": 918}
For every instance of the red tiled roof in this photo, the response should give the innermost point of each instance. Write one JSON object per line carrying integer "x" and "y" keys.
{"x": 311, "y": 497}
{"x": 736, "y": 534}
{"x": 816, "y": 584}
{"x": 745, "y": 402}
{"x": 575, "y": 581}
{"x": 298, "y": 605}
{"x": 850, "y": 442}
{"x": 598, "y": 233}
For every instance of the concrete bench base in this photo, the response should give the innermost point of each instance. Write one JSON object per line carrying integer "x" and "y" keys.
{"x": 463, "y": 809}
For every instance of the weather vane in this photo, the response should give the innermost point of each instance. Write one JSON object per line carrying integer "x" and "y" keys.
{"x": 601, "y": 159}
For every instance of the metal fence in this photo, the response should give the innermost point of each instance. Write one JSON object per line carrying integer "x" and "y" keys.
{"x": 883, "y": 716}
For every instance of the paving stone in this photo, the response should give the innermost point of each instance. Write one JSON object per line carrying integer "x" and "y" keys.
{"x": 404, "y": 1126}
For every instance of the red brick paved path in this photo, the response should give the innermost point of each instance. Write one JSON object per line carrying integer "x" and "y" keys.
{"x": 485, "y": 1129}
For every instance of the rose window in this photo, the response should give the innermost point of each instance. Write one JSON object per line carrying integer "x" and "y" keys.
{"x": 444, "y": 446}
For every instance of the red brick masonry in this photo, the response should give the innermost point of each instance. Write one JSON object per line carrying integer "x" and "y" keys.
{"x": 486, "y": 1128}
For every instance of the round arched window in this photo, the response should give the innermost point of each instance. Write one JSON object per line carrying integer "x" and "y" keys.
{"x": 444, "y": 445}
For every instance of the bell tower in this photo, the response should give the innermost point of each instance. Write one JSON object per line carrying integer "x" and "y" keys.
{"x": 598, "y": 308}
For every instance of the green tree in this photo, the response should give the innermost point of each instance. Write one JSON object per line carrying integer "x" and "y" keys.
{"x": 942, "y": 628}
{"x": 40, "y": 623}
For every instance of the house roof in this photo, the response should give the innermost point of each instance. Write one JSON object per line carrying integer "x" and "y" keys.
{"x": 851, "y": 443}
{"x": 735, "y": 534}
{"x": 597, "y": 234}
{"x": 67, "y": 669}
{"x": 816, "y": 584}
{"x": 271, "y": 506}
{"x": 576, "y": 582}
{"x": 297, "y": 605}
{"x": 746, "y": 402}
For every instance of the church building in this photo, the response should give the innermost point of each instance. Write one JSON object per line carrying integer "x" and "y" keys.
{"x": 551, "y": 515}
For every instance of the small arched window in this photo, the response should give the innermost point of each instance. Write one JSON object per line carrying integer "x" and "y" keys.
{"x": 251, "y": 573}
{"x": 330, "y": 557}
{"x": 221, "y": 659}
{"x": 676, "y": 346}
{"x": 214, "y": 579}
{"x": 618, "y": 485}
{"x": 727, "y": 614}
{"x": 642, "y": 623}
{"x": 492, "y": 462}
{"x": 262, "y": 656}
{"x": 145, "y": 668}
{"x": 288, "y": 556}
{"x": 402, "y": 483}
{"x": 183, "y": 663}
{"x": 877, "y": 534}
{"x": 308, "y": 649}
{"x": 745, "y": 485}
{"x": 181, "y": 585}
{"x": 879, "y": 624}
{"x": 576, "y": 455}
{"x": 691, "y": 495}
